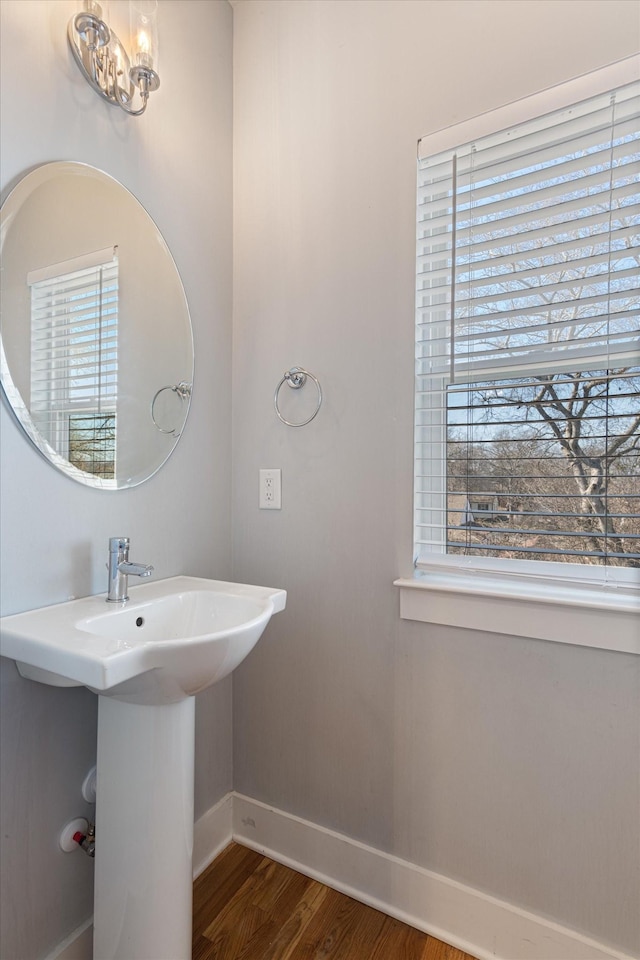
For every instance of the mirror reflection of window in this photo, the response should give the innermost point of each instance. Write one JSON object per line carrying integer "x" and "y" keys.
{"x": 74, "y": 358}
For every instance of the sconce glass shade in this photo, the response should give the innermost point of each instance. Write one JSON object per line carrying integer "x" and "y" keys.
{"x": 144, "y": 34}
{"x": 91, "y": 24}
{"x": 99, "y": 10}
{"x": 104, "y": 60}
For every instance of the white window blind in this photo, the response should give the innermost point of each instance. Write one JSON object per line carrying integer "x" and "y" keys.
{"x": 74, "y": 334}
{"x": 528, "y": 353}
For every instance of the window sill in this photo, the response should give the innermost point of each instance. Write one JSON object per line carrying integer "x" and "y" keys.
{"x": 587, "y": 615}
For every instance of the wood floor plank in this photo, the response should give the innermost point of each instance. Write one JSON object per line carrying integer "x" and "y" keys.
{"x": 241, "y": 918}
{"x": 437, "y": 950}
{"x": 229, "y": 939}
{"x": 219, "y": 882}
{"x": 330, "y": 933}
{"x": 282, "y": 892}
{"x": 202, "y": 949}
{"x": 367, "y": 929}
{"x": 248, "y": 907}
{"x": 398, "y": 939}
{"x": 282, "y": 938}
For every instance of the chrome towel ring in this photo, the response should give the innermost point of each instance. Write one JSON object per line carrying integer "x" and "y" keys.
{"x": 295, "y": 378}
{"x": 182, "y": 390}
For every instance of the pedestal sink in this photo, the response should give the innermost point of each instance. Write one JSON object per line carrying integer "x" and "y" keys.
{"x": 146, "y": 659}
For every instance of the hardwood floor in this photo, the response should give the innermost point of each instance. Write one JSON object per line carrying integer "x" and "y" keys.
{"x": 247, "y": 907}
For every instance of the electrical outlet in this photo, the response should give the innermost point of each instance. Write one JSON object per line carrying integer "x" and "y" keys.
{"x": 270, "y": 490}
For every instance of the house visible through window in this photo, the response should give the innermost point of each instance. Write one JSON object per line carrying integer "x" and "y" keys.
{"x": 528, "y": 341}
{"x": 74, "y": 330}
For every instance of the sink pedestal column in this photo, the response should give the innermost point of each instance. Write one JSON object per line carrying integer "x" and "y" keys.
{"x": 144, "y": 831}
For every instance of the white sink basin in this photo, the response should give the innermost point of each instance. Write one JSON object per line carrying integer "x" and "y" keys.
{"x": 171, "y": 639}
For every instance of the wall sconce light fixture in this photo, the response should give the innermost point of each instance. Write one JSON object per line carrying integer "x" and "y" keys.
{"x": 104, "y": 61}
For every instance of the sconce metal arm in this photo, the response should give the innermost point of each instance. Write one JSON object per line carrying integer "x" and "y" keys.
{"x": 105, "y": 64}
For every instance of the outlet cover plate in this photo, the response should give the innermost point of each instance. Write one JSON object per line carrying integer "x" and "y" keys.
{"x": 270, "y": 489}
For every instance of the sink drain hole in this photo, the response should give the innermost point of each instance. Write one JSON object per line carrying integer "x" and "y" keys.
{"x": 139, "y": 621}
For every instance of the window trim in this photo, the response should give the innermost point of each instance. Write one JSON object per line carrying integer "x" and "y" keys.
{"x": 594, "y": 607}
{"x": 559, "y": 612}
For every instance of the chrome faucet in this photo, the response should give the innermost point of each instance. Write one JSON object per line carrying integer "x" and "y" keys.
{"x": 121, "y": 568}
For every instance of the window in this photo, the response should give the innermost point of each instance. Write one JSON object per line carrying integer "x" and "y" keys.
{"x": 528, "y": 350}
{"x": 74, "y": 327}
{"x": 527, "y": 435}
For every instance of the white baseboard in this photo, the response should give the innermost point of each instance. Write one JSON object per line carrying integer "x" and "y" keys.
{"x": 483, "y": 926}
{"x": 77, "y": 946}
{"x": 480, "y": 925}
{"x": 212, "y": 832}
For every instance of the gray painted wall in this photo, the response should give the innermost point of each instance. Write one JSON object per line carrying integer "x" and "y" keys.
{"x": 511, "y": 765}
{"x": 177, "y": 160}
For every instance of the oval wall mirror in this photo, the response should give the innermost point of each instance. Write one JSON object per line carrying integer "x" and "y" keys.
{"x": 95, "y": 335}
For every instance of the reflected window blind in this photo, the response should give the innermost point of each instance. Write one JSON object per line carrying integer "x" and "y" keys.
{"x": 528, "y": 355}
{"x": 74, "y": 339}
